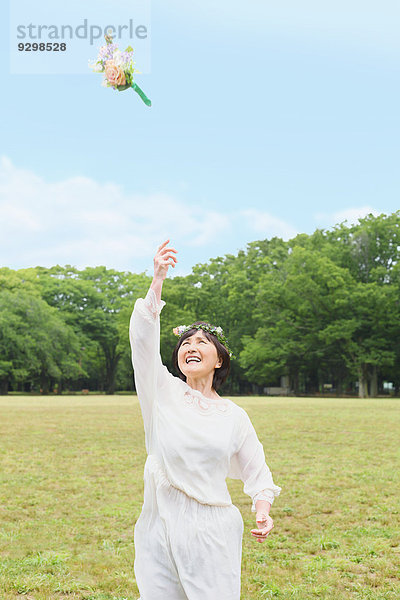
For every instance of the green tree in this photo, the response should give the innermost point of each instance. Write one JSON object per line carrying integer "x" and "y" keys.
{"x": 294, "y": 303}
{"x": 35, "y": 342}
{"x": 365, "y": 333}
{"x": 97, "y": 303}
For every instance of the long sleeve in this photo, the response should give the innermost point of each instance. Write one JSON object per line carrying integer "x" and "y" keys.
{"x": 150, "y": 373}
{"x": 248, "y": 464}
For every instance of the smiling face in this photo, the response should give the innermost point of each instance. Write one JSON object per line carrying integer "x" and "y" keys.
{"x": 197, "y": 356}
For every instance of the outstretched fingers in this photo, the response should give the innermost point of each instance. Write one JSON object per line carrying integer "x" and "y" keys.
{"x": 169, "y": 255}
{"x": 164, "y": 258}
{"x": 162, "y": 245}
{"x": 168, "y": 259}
{"x": 166, "y": 255}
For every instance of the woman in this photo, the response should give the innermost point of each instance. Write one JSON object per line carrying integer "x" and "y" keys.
{"x": 188, "y": 538}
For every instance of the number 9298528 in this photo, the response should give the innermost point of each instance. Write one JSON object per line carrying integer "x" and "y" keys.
{"x": 42, "y": 47}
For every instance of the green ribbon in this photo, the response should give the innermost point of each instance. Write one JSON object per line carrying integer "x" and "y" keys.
{"x": 141, "y": 93}
{"x": 137, "y": 89}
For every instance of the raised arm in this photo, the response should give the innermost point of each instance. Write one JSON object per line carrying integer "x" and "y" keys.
{"x": 164, "y": 259}
{"x": 144, "y": 334}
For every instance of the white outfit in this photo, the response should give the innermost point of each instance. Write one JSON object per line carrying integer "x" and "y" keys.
{"x": 188, "y": 538}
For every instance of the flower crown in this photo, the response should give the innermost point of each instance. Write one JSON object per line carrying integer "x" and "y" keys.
{"x": 217, "y": 331}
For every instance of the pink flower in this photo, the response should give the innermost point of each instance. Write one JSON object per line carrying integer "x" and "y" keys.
{"x": 114, "y": 75}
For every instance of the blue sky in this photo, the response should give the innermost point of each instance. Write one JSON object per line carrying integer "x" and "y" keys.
{"x": 267, "y": 119}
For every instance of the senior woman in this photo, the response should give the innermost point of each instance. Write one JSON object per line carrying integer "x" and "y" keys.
{"x": 188, "y": 538}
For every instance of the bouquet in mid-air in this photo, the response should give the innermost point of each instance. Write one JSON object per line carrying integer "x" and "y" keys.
{"x": 118, "y": 68}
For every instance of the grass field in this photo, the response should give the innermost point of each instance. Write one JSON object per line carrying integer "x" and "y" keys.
{"x": 71, "y": 490}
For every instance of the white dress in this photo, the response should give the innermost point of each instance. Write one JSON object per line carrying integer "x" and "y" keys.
{"x": 188, "y": 538}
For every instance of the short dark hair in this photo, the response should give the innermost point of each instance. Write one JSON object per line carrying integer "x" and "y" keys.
{"x": 221, "y": 373}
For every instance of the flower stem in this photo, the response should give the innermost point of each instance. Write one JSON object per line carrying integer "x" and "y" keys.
{"x": 141, "y": 93}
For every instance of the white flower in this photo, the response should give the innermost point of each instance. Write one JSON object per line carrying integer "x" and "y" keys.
{"x": 180, "y": 330}
{"x": 118, "y": 58}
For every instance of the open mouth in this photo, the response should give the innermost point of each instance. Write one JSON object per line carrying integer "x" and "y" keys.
{"x": 191, "y": 359}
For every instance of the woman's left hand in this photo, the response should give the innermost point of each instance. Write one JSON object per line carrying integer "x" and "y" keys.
{"x": 265, "y": 525}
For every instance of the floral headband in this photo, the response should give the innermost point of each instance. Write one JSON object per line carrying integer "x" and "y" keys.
{"x": 217, "y": 331}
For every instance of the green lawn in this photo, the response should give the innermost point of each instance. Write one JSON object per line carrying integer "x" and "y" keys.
{"x": 71, "y": 490}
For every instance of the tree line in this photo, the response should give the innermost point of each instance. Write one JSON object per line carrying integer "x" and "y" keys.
{"x": 321, "y": 311}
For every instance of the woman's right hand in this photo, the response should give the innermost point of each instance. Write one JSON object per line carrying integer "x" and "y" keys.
{"x": 164, "y": 258}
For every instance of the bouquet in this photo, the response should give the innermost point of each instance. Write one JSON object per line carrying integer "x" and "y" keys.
{"x": 118, "y": 68}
